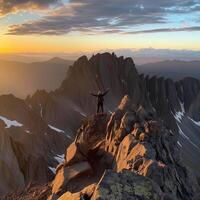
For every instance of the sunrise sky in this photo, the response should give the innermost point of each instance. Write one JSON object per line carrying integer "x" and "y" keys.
{"x": 92, "y": 25}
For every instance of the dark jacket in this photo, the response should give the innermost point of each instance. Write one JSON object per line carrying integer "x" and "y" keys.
{"x": 100, "y": 96}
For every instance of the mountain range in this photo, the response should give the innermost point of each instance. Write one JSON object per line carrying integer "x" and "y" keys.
{"x": 59, "y": 149}
{"x": 174, "y": 69}
{"x": 22, "y": 79}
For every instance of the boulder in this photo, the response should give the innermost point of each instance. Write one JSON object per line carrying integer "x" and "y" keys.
{"x": 126, "y": 185}
{"x": 91, "y": 135}
{"x": 66, "y": 174}
{"x": 73, "y": 155}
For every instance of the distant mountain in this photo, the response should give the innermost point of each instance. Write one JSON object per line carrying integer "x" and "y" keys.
{"x": 173, "y": 69}
{"x": 22, "y": 79}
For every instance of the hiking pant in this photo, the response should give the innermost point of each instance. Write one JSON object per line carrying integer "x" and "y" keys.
{"x": 99, "y": 107}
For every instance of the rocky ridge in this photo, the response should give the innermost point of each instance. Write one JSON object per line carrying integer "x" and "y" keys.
{"x": 128, "y": 155}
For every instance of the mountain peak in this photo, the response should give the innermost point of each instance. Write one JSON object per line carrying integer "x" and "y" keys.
{"x": 100, "y": 72}
{"x": 57, "y": 60}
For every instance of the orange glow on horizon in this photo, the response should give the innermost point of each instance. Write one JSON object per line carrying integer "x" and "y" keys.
{"x": 83, "y": 43}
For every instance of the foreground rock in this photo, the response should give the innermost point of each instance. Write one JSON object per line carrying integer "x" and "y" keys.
{"x": 65, "y": 174}
{"x": 82, "y": 167}
{"x": 138, "y": 141}
{"x": 126, "y": 185}
{"x": 132, "y": 156}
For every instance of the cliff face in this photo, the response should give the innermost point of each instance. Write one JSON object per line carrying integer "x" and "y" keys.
{"x": 29, "y": 147}
{"x": 11, "y": 177}
{"x": 157, "y": 121}
{"x": 169, "y": 97}
{"x": 177, "y": 104}
{"x": 98, "y": 73}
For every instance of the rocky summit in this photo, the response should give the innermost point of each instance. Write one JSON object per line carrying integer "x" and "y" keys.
{"x": 127, "y": 155}
{"x": 145, "y": 146}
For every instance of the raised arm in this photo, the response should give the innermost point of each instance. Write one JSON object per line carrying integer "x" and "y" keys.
{"x": 106, "y": 92}
{"x": 95, "y": 95}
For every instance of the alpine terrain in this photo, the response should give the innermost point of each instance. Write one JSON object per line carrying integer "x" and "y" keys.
{"x": 145, "y": 146}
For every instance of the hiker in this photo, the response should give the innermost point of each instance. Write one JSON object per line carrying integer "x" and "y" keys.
{"x": 100, "y": 99}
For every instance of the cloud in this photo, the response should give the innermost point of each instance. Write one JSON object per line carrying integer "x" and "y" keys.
{"x": 151, "y": 55}
{"x": 9, "y": 6}
{"x": 105, "y": 16}
{"x": 163, "y": 30}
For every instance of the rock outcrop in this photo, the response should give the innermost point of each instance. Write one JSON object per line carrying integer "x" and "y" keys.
{"x": 144, "y": 145}
{"x": 128, "y": 155}
{"x": 82, "y": 167}
{"x": 126, "y": 185}
{"x": 11, "y": 177}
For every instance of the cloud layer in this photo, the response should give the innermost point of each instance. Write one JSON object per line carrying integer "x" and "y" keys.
{"x": 162, "y": 30}
{"x": 105, "y": 16}
{"x": 9, "y": 6}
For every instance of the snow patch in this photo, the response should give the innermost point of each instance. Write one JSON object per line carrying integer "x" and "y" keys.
{"x": 180, "y": 114}
{"x": 9, "y": 123}
{"x": 78, "y": 110}
{"x": 56, "y": 129}
{"x": 179, "y": 144}
{"x": 69, "y": 136}
{"x": 53, "y": 169}
{"x": 59, "y": 131}
{"x": 185, "y": 136}
{"x": 195, "y": 122}
{"x": 83, "y": 114}
{"x": 27, "y": 131}
{"x": 60, "y": 158}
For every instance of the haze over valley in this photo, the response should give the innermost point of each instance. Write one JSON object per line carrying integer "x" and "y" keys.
{"x": 22, "y": 79}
